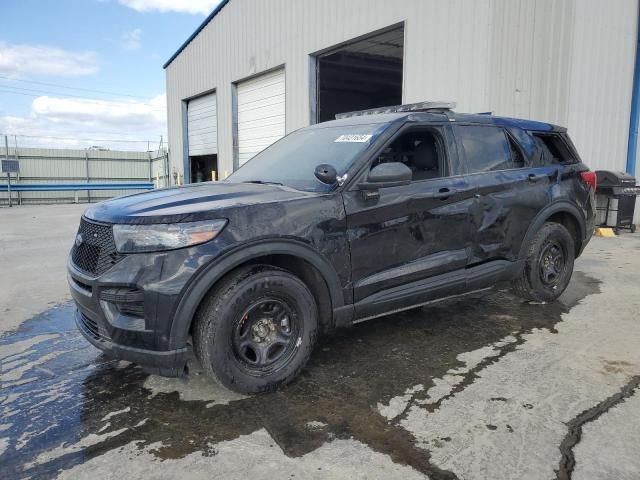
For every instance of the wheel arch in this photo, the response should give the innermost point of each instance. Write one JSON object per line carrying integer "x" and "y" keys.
{"x": 564, "y": 213}
{"x": 276, "y": 250}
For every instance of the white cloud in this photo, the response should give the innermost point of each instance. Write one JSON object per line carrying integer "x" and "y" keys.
{"x": 132, "y": 40}
{"x": 68, "y": 123}
{"x": 185, "y": 6}
{"x": 98, "y": 112}
{"x": 17, "y": 60}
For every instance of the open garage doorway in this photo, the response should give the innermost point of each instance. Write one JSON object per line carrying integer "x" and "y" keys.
{"x": 204, "y": 168}
{"x": 365, "y": 73}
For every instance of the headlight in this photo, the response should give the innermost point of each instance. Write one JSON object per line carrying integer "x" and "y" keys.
{"x": 165, "y": 236}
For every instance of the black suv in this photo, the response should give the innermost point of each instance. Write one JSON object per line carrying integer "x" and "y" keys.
{"x": 335, "y": 224}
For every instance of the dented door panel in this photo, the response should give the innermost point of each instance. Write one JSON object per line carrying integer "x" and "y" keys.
{"x": 506, "y": 202}
{"x": 409, "y": 233}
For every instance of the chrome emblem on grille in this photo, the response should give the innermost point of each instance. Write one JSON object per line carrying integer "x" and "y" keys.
{"x": 79, "y": 240}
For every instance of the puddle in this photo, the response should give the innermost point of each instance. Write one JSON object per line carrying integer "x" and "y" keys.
{"x": 68, "y": 403}
{"x": 196, "y": 387}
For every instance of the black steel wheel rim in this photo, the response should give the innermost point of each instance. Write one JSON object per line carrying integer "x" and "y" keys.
{"x": 552, "y": 263}
{"x": 265, "y": 336}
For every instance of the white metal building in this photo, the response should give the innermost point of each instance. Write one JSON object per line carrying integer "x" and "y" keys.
{"x": 257, "y": 69}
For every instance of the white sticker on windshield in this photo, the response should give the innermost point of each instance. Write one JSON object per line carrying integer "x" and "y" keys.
{"x": 353, "y": 138}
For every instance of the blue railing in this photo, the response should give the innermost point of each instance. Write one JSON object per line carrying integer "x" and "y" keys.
{"x": 70, "y": 187}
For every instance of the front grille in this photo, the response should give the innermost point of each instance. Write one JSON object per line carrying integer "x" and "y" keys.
{"x": 83, "y": 286}
{"x": 132, "y": 309}
{"x": 92, "y": 327}
{"x": 128, "y": 301}
{"x": 96, "y": 252}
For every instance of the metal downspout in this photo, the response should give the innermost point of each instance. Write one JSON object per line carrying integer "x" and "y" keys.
{"x": 634, "y": 122}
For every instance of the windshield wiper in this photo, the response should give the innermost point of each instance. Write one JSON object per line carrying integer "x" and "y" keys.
{"x": 263, "y": 182}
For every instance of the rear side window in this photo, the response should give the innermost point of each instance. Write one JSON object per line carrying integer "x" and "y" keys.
{"x": 488, "y": 148}
{"x": 525, "y": 140}
{"x": 554, "y": 149}
{"x": 517, "y": 159}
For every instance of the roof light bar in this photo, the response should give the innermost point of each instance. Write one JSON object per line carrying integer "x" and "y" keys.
{"x": 409, "y": 107}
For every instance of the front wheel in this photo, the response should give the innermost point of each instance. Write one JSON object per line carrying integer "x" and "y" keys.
{"x": 256, "y": 330}
{"x": 548, "y": 264}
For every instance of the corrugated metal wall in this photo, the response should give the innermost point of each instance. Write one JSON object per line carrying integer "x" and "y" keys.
{"x": 604, "y": 42}
{"x": 250, "y": 36}
{"x": 41, "y": 165}
{"x": 568, "y": 62}
{"x": 530, "y": 57}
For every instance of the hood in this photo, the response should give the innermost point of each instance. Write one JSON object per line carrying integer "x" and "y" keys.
{"x": 188, "y": 203}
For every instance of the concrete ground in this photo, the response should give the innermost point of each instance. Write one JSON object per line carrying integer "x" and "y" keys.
{"x": 486, "y": 387}
{"x": 34, "y": 241}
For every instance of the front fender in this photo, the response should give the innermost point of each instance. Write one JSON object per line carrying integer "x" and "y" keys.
{"x": 196, "y": 290}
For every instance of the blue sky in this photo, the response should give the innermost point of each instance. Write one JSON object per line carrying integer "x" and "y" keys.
{"x": 58, "y": 58}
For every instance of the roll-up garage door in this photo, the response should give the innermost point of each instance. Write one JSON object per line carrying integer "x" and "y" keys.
{"x": 202, "y": 125}
{"x": 261, "y": 113}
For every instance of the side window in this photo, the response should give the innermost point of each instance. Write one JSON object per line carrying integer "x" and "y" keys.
{"x": 421, "y": 150}
{"x": 488, "y": 148}
{"x": 525, "y": 140}
{"x": 517, "y": 159}
{"x": 554, "y": 150}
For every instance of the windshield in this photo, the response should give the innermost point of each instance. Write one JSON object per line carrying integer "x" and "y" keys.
{"x": 292, "y": 160}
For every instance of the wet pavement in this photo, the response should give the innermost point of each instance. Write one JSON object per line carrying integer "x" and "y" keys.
{"x": 486, "y": 386}
{"x": 59, "y": 390}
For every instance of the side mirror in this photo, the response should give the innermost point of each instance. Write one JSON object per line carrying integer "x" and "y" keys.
{"x": 392, "y": 174}
{"x": 326, "y": 173}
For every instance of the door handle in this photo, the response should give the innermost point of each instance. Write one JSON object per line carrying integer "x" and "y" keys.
{"x": 444, "y": 193}
{"x": 532, "y": 177}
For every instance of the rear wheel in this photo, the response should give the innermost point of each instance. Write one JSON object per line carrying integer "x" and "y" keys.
{"x": 256, "y": 330}
{"x": 548, "y": 265}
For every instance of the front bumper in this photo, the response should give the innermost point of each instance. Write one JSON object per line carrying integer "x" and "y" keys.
{"x": 128, "y": 312}
{"x": 171, "y": 363}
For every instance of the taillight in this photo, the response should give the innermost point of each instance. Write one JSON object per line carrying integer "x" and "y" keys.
{"x": 590, "y": 179}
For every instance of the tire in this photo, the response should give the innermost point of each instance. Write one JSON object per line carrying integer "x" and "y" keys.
{"x": 548, "y": 264}
{"x": 256, "y": 330}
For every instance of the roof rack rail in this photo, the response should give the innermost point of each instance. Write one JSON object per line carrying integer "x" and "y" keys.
{"x": 409, "y": 107}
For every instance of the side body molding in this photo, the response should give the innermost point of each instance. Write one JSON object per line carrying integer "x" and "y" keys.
{"x": 198, "y": 287}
